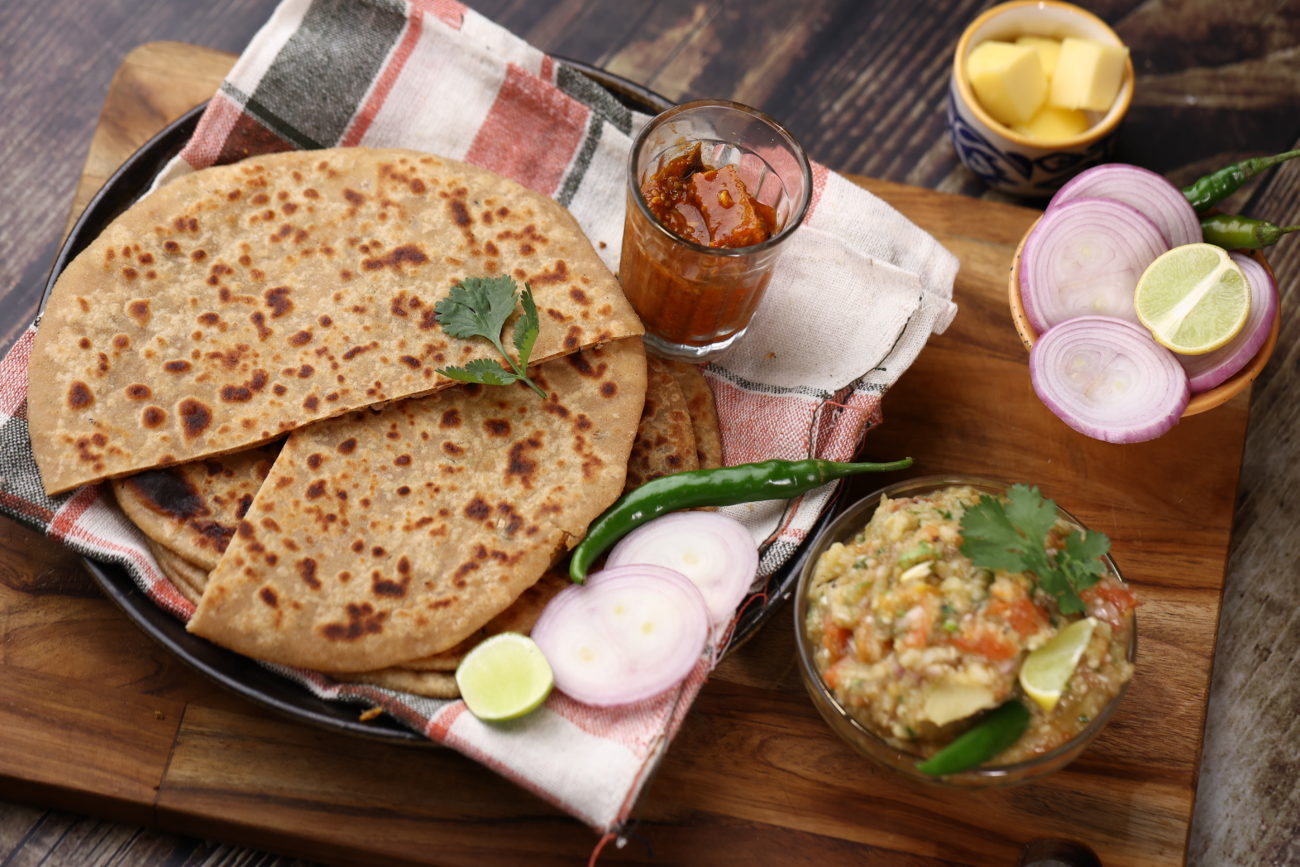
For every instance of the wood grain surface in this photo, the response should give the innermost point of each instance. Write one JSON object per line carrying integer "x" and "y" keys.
{"x": 754, "y": 772}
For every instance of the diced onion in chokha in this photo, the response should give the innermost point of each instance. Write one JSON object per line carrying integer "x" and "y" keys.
{"x": 1084, "y": 258}
{"x": 1108, "y": 379}
{"x": 713, "y": 550}
{"x": 629, "y": 633}
{"x": 1213, "y": 368}
{"x": 1158, "y": 200}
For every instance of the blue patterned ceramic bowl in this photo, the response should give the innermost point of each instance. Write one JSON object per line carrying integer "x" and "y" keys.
{"x": 1002, "y": 158}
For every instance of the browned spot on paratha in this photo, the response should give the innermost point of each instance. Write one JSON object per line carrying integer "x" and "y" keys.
{"x": 195, "y": 508}
{"x": 521, "y": 616}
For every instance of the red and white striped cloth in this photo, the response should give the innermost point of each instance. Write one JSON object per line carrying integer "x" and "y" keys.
{"x": 856, "y": 295}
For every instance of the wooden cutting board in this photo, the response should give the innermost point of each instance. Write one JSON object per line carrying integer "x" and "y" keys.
{"x": 95, "y": 717}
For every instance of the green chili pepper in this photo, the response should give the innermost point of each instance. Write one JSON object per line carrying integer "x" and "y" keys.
{"x": 721, "y": 486}
{"x": 1001, "y": 728}
{"x": 1233, "y": 232}
{"x": 1226, "y": 181}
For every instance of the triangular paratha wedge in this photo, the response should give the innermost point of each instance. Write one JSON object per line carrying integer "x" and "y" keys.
{"x": 385, "y": 536}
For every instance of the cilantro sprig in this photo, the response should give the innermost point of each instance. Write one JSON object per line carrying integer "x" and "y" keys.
{"x": 1013, "y": 537}
{"x": 480, "y": 307}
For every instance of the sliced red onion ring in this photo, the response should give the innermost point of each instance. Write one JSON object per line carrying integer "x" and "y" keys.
{"x": 1159, "y": 200}
{"x": 1084, "y": 258}
{"x": 715, "y": 551}
{"x": 1206, "y": 371}
{"x": 628, "y": 634}
{"x": 1108, "y": 379}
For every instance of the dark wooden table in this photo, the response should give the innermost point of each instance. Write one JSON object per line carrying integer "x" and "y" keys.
{"x": 862, "y": 85}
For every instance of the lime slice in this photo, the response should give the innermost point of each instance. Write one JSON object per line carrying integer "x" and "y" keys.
{"x": 1193, "y": 298}
{"x": 504, "y": 677}
{"x": 1046, "y": 671}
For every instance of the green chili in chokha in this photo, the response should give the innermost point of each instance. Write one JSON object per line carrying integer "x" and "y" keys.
{"x": 1001, "y": 728}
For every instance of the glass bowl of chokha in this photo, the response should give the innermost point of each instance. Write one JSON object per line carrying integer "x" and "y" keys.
{"x": 963, "y": 631}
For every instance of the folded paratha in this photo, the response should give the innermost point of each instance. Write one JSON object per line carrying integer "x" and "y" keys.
{"x": 194, "y": 508}
{"x": 240, "y": 302}
{"x": 188, "y": 578}
{"x": 386, "y": 536}
{"x": 665, "y": 439}
{"x": 702, "y": 410}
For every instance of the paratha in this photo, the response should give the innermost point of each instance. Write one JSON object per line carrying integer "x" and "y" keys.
{"x": 665, "y": 441}
{"x": 188, "y": 578}
{"x": 521, "y": 616}
{"x": 431, "y": 684}
{"x": 434, "y": 676}
{"x": 384, "y": 536}
{"x": 193, "y": 508}
{"x": 239, "y": 302}
{"x": 702, "y": 410}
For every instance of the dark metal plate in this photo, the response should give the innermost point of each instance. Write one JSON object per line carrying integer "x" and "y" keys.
{"x": 232, "y": 670}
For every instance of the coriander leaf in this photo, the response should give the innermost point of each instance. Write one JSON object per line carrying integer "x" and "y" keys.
{"x": 1032, "y": 514}
{"x": 1054, "y": 582}
{"x": 477, "y": 307}
{"x": 481, "y": 370}
{"x": 480, "y": 307}
{"x": 1081, "y": 560}
{"x": 989, "y": 539}
{"x": 1013, "y": 537}
{"x": 527, "y": 327}
{"x": 1091, "y": 546}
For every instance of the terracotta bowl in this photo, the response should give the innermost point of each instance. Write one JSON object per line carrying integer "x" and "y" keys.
{"x": 1199, "y": 403}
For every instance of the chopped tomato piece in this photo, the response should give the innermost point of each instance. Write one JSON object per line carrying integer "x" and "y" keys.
{"x": 1021, "y": 614}
{"x": 835, "y": 639}
{"x": 1113, "y": 592}
{"x": 986, "y": 642}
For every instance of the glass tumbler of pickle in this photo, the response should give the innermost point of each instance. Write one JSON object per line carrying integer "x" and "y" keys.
{"x": 715, "y": 189}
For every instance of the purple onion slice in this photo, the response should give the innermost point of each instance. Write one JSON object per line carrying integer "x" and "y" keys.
{"x": 714, "y": 550}
{"x": 1084, "y": 258}
{"x": 629, "y": 635}
{"x": 1107, "y": 379}
{"x": 1159, "y": 200}
{"x": 1204, "y": 372}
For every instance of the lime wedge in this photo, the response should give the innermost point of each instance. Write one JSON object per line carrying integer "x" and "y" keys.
{"x": 1193, "y": 298}
{"x": 1046, "y": 671}
{"x": 504, "y": 677}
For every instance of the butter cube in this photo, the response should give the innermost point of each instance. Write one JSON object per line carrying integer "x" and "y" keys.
{"x": 1049, "y": 50}
{"x": 1088, "y": 74}
{"x": 1053, "y": 124}
{"x": 1008, "y": 80}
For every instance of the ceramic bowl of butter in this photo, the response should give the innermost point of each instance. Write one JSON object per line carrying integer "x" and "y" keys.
{"x": 1037, "y": 93}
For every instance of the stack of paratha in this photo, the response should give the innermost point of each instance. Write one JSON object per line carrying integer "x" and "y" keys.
{"x": 679, "y": 425}
{"x": 189, "y": 512}
{"x": 401, "y": 521}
